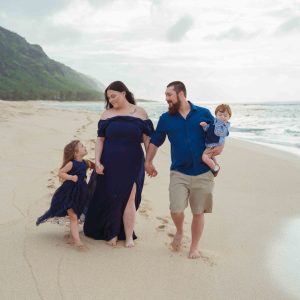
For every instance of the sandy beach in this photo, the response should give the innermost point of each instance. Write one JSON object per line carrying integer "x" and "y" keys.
{"x": 250, "y": 246}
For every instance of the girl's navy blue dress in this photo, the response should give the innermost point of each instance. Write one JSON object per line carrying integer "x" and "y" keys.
{"x": 123, "y": 161}
{"x": 69, "y": 195}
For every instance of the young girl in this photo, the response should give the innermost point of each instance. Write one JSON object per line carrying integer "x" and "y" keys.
{"x": 71, "y": 197}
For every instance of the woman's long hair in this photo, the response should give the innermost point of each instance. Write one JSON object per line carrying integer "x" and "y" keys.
{"x": 69, "y": 152}
{"x": 119, "y": 86}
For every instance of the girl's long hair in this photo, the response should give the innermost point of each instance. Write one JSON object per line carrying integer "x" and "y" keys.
{"x": 119, "y": 86}
{"x": 69, "y": 152}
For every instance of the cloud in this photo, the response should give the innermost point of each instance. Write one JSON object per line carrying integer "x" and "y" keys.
{"x": 98, "y": 3}
{"x": 180, "y": 28}
{"x": 116, "y": 17}
{"x": 281, "y": 13}
{"x": 138, "y": 41}
{"x": 32, "y": 8}
{"x": 235, "y": 34}
{"x": 290, "y": 25}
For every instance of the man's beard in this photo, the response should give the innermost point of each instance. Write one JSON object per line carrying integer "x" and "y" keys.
{"x": 174, "y": 108}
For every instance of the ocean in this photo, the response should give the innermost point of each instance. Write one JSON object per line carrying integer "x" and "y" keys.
{"x": 275, "y": 125}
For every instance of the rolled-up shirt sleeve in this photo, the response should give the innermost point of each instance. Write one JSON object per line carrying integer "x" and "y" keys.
{"x": 159, "y": 135}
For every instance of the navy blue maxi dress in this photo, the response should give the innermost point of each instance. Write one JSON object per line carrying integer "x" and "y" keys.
{"x": 123, "y": 161}
{"x": 69, "y": 195}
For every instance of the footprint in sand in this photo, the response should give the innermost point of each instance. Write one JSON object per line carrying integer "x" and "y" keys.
{"x": 52, "y": 180}
{"x": 51, "y": 185}
{"x": 208, "y": 257}
{"x": 63, "y": 221}
{"x": 92, "y": 143}
{"x": 143, "y": 211}
{"x": 164, "y": 220}
{"x": 145, "y": 207}
{"x": 161, "y": 227}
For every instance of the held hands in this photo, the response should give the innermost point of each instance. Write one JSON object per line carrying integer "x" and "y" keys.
{"x": 203, "y": 124}
{"x": 99, "y": 168}
{"x": 150, "y": 169}
{"x": 74, "y": 178}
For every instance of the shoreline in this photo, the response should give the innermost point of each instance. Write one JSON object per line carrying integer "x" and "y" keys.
{"x": 284, "y": 149}
{"x": 249, "y": 246}
{"x": 294, "y": 151}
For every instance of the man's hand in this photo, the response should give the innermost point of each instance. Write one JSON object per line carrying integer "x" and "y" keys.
{"x": 203, "y": 124}
{"x": 150, "y": 169}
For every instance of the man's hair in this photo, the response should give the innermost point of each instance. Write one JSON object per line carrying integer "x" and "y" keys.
{"x": 178, "y": 87}
{"x": 222, "y": 108}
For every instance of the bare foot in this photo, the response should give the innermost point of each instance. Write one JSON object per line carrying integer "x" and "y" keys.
{"x": 176, "y": 243}
{"x": 129, "y": 243}
{"x": 68, "y": 239}
{"x": 80, "y": 246}
{"x": 112, "y": 242}
{"x": 194, "y": 253}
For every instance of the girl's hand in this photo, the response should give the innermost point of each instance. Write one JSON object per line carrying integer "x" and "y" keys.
{"x": 74, "y": 178}
{"x": 99, "y": 168}
{"x": 203, "y": 124}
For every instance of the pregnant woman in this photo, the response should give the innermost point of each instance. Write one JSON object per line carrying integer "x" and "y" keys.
{"x": 119, "y": 166}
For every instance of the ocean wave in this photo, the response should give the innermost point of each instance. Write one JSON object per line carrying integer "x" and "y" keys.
{"x": 270, "y": 141}
{"x": 275, "y": 124}
{"x": 239, "y": 129}
{"x": 292, "y": 132}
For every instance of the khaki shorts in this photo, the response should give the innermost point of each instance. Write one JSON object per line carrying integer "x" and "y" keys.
{"x": 196, "y": 190}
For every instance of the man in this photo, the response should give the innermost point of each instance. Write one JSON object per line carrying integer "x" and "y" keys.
{"x": 190, "y": 179}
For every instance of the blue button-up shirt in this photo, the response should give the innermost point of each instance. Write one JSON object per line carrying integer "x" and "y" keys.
{"x": 187, "y": 139}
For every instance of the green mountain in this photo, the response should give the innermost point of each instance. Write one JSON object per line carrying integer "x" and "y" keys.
{"x": 26, "y": 72}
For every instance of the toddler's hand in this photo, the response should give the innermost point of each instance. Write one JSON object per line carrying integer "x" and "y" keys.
{"x": 74, "y": 178}
{"x": 203, "y": 124}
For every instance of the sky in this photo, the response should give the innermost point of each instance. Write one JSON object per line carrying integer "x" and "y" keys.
{"x": 224, "y": 51}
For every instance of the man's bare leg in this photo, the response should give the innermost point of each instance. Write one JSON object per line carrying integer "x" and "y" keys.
{"x": 178, "y": 219}
{"x": 197, "y": 229}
